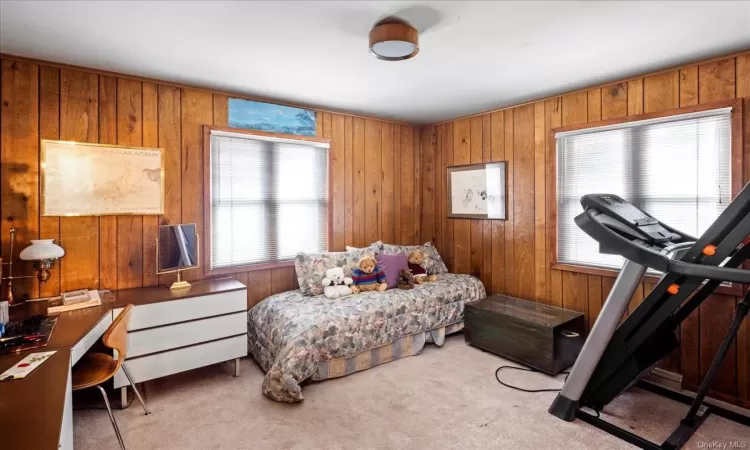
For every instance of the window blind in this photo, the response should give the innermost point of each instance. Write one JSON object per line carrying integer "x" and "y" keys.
{"x": 269, "y": 199}
{"x": 676, "y": 168}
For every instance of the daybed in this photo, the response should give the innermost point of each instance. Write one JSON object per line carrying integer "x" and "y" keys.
{"x": 296, "y": 337}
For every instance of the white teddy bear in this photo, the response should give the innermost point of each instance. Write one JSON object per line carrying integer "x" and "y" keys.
{"x": 336, "y": 284}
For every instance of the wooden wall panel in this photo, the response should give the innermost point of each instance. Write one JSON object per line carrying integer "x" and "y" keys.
{"x": 79, "y": 115}
{"x": 43, "y": 101}
{"x": 107, "y": 224}
{"x": 373, "y": 180}
{"x": 129, "y": 228}
{"x": 358, "y": 149}
{"x": 520, "y": 248}
{"x": 19, "y": 163}
{"x": 49, "y": 128}
{"x": 523, "y": 209}
{"x": 406, "y": 184}
{"x": 497, "y": 151}
{"x": 338, "y": 202}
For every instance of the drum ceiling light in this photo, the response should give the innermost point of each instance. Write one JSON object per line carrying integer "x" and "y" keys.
{"x": 392, "y": 39}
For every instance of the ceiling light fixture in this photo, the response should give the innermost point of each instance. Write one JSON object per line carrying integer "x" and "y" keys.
{"x": 392, "y": 39}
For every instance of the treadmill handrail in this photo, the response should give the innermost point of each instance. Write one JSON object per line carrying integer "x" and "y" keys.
{"x": 656, "y": 260}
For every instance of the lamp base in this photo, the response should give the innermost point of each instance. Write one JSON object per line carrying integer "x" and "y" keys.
{"x": 179, "y": 285}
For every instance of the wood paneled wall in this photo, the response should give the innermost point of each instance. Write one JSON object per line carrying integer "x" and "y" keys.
{"x": 513, "y": 256}
{"x": 376, "y": 174}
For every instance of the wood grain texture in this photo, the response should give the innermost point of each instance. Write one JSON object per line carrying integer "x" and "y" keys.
{"x": 716, "y": 81}
{"x": 337, "y": 178}
{"x": 541, "y": 269}
{"x": 373, "y": 181}
{"x": 359, "y": 186}
{"x": 635, "y": 97}
{"x": 521, "y": 136}
{"x": 107, "y": 224}
{"x": 49, "y": 128}
{"x": 406, "y": 185}
{"x": 79, "y": 236}
{"x": 594, "y": 106}
{"x": 477, "y": 230}
{"x": 170, "y": 139}
{"x": 129, "y": 228}
{"x": 511, "y": 281}
{"x": 614, "y": 101}
{"x": 497, "y": 149}
{"x": 150, "y": 223}
{"x": 427, "y": 149}
{"x": 19, "y": 165}
{"x": 196, "y": 111}
{"x": 487, "y": 224}
{"x": 416, "y": 237}
{"x": 523, "y": 209}
{"x": 349, "y": 179}
{"x": 661, "y": 92}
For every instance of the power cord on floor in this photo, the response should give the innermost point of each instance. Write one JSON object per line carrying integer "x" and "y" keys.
{"x": 497, "y": 376}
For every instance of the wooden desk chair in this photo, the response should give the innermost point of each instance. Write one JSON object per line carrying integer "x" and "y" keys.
{"x": 93, "y": 369}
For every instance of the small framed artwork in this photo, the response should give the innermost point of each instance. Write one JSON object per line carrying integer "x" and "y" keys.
{"x": 477, "y": 191}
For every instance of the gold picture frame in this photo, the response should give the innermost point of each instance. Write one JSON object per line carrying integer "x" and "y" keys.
{"x": 47, "y": 146}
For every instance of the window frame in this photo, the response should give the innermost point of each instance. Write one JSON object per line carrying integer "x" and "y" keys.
{"x": 736, "y": 174}
{"x": 207, "y": 241}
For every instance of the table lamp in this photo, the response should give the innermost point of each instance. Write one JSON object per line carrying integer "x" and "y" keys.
{"x": 43, "y": 252}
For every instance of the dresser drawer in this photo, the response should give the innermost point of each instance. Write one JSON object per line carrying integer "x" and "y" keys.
{"x": 168, "y": 312}
{"x": 161, "y": 364}
{"x": 183, "y": 334}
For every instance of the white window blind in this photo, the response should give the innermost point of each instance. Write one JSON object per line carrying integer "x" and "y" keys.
{"x": 675, "y": 168}
{"x": 269, "y": 199}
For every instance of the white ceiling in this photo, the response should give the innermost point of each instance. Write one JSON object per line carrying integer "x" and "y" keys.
{"x": 474, "y": 55}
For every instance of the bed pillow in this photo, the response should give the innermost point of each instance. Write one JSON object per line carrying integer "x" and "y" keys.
{"x": 311, "y": 268}
{"x": 433, "y": 263}
{"x": 392, "y": 266}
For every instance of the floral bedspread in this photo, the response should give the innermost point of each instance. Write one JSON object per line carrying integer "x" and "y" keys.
{"x": 289, "y": 334}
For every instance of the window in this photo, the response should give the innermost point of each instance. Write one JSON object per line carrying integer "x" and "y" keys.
{"x": 269, "y": 198}
{"x": 676, "y": 168}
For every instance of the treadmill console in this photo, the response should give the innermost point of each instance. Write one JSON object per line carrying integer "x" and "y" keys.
{"x": 639, "y": 223}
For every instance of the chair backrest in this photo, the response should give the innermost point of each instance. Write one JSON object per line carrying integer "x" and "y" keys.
{"x": 116, "y": 336}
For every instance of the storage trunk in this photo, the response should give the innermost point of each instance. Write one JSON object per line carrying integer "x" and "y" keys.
{"x": 534, "y": 334}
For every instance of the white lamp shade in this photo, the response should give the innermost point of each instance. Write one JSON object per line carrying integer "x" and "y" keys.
{"x": 42, "y": 249}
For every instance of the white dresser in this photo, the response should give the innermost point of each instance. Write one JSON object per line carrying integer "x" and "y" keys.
{"x": 175, "y": 331}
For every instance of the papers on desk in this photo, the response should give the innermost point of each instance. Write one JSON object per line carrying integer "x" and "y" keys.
{"x": 93, "y": 300}
{"x": 25, "y": 366}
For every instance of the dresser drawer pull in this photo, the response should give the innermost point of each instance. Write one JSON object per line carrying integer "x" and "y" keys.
{"x": 569, "y": 334}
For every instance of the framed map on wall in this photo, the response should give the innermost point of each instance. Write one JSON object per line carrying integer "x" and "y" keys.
{"x": 80, "y": 179}
{"x": 477, "y": 191}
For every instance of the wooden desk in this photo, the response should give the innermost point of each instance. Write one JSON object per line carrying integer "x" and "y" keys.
{"x": 36, "y": 411}
{"x": 32, "y": 409}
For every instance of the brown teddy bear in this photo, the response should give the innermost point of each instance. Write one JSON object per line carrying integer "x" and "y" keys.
{"x": 368, "y": 276}
{"x": 416, "y": 258}
{"x": 405, "y": 280}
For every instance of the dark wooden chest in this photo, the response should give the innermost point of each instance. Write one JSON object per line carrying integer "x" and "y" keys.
{"x": 534, "y": 334}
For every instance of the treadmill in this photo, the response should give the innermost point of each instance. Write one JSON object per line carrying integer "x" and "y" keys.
{"x": 614, "y": 357}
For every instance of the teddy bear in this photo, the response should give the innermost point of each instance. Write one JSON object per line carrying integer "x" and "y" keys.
{"x": 368, "y": 276}
{"x": 336, "y": 284}
{"x": 405, "y": 280}
{"x": 416, "y": 259}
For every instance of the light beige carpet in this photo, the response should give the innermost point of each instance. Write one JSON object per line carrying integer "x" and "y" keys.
{"x": 444, "y": 398}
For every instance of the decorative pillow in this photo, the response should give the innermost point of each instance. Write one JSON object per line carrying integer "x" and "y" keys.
{"x": 392, "y": 266}
{"x": 311, "y": 268}
{"x": 433, "y": 263}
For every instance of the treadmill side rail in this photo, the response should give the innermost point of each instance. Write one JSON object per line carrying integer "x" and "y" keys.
{"x": 617, "y": 303}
